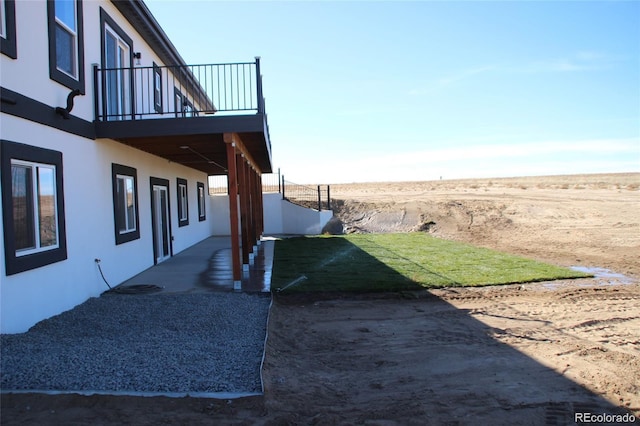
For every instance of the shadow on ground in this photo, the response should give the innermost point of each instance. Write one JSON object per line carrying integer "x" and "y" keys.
{"x": 419, "y": 361}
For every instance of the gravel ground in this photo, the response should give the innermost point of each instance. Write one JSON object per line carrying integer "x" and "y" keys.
{"x": 163, "y": 343}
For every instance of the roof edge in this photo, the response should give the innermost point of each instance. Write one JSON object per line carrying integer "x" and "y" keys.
{"x": 141, "y": 18}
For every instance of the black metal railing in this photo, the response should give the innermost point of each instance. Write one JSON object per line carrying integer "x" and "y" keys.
{"x": 147, "y": 92}
{"x": 218, "y": 185}
{"x": 313, "y": 197}
{"x": 271, "y": 182}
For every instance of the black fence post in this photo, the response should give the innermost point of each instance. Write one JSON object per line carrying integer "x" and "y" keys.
{"x": 319, "y": 199}
{"x": 279, "y": 181}
{"x": 259, "y": 88}
{"x": 283, "y": 197}
{"x": 328, "y": 197}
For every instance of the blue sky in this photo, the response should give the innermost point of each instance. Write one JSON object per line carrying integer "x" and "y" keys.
{"x": 391, "y": 91}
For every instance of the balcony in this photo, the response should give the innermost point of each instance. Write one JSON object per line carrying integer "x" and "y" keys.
{"x": 182, "y": 112}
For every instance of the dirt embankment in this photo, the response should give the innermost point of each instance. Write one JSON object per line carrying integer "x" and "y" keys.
{"x": 588, "y": 220}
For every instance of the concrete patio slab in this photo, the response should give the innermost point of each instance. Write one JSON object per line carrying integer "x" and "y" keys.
{"x": 206, "y": 266}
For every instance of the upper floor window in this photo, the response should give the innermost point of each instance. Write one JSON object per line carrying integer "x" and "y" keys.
{"x": 184, "y": 108}
{"x": 117, "y": 63}
{"x": 8, "y": 28}
{"x": 177, "y": 100}
{"x": 3, "y": 32}
{"x": 66, "y": 37}
{"x": 157, "y": 88}
{"x": 33, "y": 206}
{"x": 66, "y": 52}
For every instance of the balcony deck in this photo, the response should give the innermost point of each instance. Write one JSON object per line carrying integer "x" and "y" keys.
{"x": 181, "y": 113}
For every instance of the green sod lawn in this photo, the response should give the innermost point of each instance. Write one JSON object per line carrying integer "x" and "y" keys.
{"x": 393, "y": 262}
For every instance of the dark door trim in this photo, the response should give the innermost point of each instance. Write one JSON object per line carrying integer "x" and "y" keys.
{"x": 153, "y": 181}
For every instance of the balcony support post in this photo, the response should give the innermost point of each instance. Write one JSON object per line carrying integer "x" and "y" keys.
{"x": 259, "y": 218}
{"x": 232, "y": 178}
{"x": 257, "y": 204}
{"x": 245, "y": 220}
{"x": 251, "y": 197}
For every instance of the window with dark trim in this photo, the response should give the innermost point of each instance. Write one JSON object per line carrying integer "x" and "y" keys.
{"x": 116, "y": 55}
{"x": 125, "y": 203}
{"x": 189, "y": 110}
{"x": 157, "y": 88}
{"x": 66, "y": 43}
{"x": 32, "y": 206}
{"x": 183, "y": 203}
{"x": 184, "y": 108}
{"x": 202, "y": 210}
{"x": 8, "y": 28}
{"x": 178, "y": 100}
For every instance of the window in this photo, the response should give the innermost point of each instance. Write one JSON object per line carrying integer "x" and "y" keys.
{"x": 177, "y": 98}
{"x": 33, "y": 207}
{"x": 157, "y": 88}
{"x": 184, "y": 108}
{"x": 66, "y": 56}
{"x": 125, "y": 203}
{"x": 118, "y": 82}
{"x": 183, "y": 203}
{"x": 187, "y": 110}
{"x": 35, "y": 225}
{"x": 117, "y": 63}
{"x": 202, "y": 213}
{"x": 3, "y": 24}
{"x": 66, "y": 37}
{"x": 126, "y": 206}
{"x": 8, "y": 28}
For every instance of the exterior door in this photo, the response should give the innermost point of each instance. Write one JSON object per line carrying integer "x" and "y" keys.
{"x": 118, "y": 75}
{"x": 161, "y": 223}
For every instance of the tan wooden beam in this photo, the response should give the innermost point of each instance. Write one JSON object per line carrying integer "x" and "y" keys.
{"x": 245, "y": 214}
{"x": 232, "y": 177}
{"x": 254, "y": 204}
{"x": 260, "y": 210}
{"x": 240, "y": 146}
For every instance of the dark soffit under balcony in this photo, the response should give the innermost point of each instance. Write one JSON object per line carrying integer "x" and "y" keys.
{"x": 196, "y": 142}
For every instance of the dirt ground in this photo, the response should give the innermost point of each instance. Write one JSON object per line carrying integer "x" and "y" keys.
{"x": 527, "y": 354}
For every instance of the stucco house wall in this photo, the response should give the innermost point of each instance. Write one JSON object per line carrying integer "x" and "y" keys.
{"x": 30, "y": 96}
{"x": 30, "y": 296}
{"x": 283, "y": 217}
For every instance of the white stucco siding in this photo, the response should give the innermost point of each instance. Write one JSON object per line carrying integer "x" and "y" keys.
{"x": 29, "y": 73}
{"x": 221, "y": 223}
{"x": 280, "y": 217}
{"x": 33, "y": 295}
